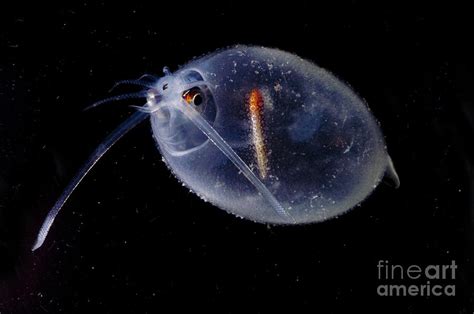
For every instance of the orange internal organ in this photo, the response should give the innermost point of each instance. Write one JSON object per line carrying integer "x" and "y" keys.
{"x": 256, "y": 106}
{"x": 189, "y": 95}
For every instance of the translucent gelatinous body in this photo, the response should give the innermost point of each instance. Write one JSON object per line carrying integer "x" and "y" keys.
{"x": 260, "y": 133}
{"x": 309, "y": 138}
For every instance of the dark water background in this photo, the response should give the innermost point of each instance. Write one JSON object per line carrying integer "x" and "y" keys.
{"x": 132, "y": 240}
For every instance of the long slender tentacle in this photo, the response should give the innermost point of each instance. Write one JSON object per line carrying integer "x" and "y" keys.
{"x": 126, "y": 126}
{"x": 149, "y": 77}
{"x": 215, "y": 138}
{"x": 131, "y": 82}
{"x": 141, "y": 94}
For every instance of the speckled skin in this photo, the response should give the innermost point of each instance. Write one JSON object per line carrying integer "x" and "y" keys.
{"x": 326, "y": 152}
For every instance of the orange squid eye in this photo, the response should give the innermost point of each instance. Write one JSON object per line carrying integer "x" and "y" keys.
{"x": 193, "y": 96}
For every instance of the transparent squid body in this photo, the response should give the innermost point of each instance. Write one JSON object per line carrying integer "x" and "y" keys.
{"x": 260, "y": 133}
{"x": 306, "y": 136}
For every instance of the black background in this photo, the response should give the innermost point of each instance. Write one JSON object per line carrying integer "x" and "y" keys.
{"x": 132, "y": 240}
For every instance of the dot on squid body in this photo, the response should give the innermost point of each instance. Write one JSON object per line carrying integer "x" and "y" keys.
{"x": 262, "y": 134}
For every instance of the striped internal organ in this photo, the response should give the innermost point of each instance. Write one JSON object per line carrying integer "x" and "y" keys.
{"x": 256, "y": 106}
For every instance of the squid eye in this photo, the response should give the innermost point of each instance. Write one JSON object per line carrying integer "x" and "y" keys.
{"x": 193, "y": 96}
